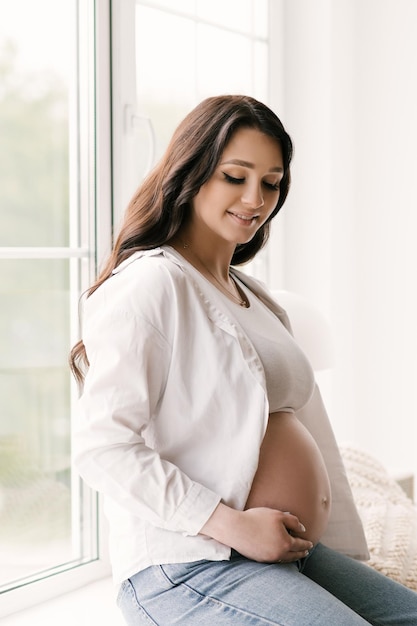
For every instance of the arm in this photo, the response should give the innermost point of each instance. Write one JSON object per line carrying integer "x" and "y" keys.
{"x": 129, "y": 364}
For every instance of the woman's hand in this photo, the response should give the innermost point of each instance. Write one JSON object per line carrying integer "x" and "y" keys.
{"x": 260, "y": 534}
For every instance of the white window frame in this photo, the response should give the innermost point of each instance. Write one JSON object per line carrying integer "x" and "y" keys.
{"x": 91, "y": 156}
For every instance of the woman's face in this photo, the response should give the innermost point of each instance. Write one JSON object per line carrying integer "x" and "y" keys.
{"x": 243, "y": 190}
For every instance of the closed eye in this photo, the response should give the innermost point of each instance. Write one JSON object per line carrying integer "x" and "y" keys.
{"x": 273, "y": 186}
{"x": 233, "y": 180}
{"x": 239, "y": 181}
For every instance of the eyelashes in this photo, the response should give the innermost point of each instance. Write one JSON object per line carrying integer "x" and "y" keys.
{"x": 233, "y": 180}
{"x": 239, "y": 181}
{"x": 273, "y": 186}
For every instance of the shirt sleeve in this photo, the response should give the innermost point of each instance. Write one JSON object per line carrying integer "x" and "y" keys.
{"x": 129, "y": 365}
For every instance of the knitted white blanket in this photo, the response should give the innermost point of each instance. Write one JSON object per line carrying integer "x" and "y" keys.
{"x": 388, "y": 515}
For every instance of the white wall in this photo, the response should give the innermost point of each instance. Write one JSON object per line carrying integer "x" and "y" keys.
{"x": 350, "y": 223}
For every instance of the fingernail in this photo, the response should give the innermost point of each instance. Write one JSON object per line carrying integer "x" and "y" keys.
{"x": 302, "y": 528}
{"x": 306, "y": 553}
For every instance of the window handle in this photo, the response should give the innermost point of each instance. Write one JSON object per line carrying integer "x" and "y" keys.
{"x": 133, "y": 123}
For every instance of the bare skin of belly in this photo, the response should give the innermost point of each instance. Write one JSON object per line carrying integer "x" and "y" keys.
{"x": 291, "y": 475}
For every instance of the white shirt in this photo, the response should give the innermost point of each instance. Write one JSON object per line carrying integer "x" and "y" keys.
{"x": 173, "y": 412}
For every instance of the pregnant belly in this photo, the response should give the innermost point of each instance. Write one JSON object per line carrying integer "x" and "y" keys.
{"x": 291, "y": 475}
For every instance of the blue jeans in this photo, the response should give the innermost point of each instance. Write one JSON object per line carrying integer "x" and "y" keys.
{"x": 326, "y": 589}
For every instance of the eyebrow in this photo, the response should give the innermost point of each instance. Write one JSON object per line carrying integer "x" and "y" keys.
{"x": 250, "y": 165}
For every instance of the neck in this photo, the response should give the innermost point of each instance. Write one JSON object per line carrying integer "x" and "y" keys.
{"x": 204, "y": 253}
{"x": 214, "y": 268}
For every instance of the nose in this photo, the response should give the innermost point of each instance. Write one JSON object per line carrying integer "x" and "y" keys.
{"x": 253, "y": 197}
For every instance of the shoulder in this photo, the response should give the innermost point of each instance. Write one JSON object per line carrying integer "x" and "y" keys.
{"x": 156, "y": 269}
{"x": 143, "y": 285}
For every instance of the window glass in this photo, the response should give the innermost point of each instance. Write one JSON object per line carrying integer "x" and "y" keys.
{"x": 260, "y": 18}
{"x": 34, "y": 69}
{"x": 211, "y": 47}
{"x": 236, "y": 14}
{"x": 165, "y": 82}
{"x": 38, "y": 498}
{"x": 220, "y": 72}
{"x": 260, "y": 75}
{"x": 181, "y": 6}
{"x": 199, "y": 63}
{"x": 47, "y": 519}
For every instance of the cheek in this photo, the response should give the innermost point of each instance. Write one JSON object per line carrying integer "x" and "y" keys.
{"x": 270, "y": 208}
{"x": 269, "y": 214}
{"x": 199, "y": 202}
{"x": 210, "y": 198}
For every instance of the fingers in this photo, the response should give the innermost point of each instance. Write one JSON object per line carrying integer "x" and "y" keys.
{"x": 292, "y": 523}
{"x": 297, "y": 549}
{"x": 295, "y": 554}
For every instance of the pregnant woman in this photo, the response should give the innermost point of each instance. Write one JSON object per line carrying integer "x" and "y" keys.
{"x": 199, "y": 418}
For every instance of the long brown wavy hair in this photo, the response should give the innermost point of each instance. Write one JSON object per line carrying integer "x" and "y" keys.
{"x": 161, "y": 204}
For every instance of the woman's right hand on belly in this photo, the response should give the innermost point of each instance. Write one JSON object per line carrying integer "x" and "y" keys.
{"x": 261, "y": 534}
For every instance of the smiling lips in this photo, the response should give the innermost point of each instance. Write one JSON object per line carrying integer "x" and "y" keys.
{"x": 243, "y": 219}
